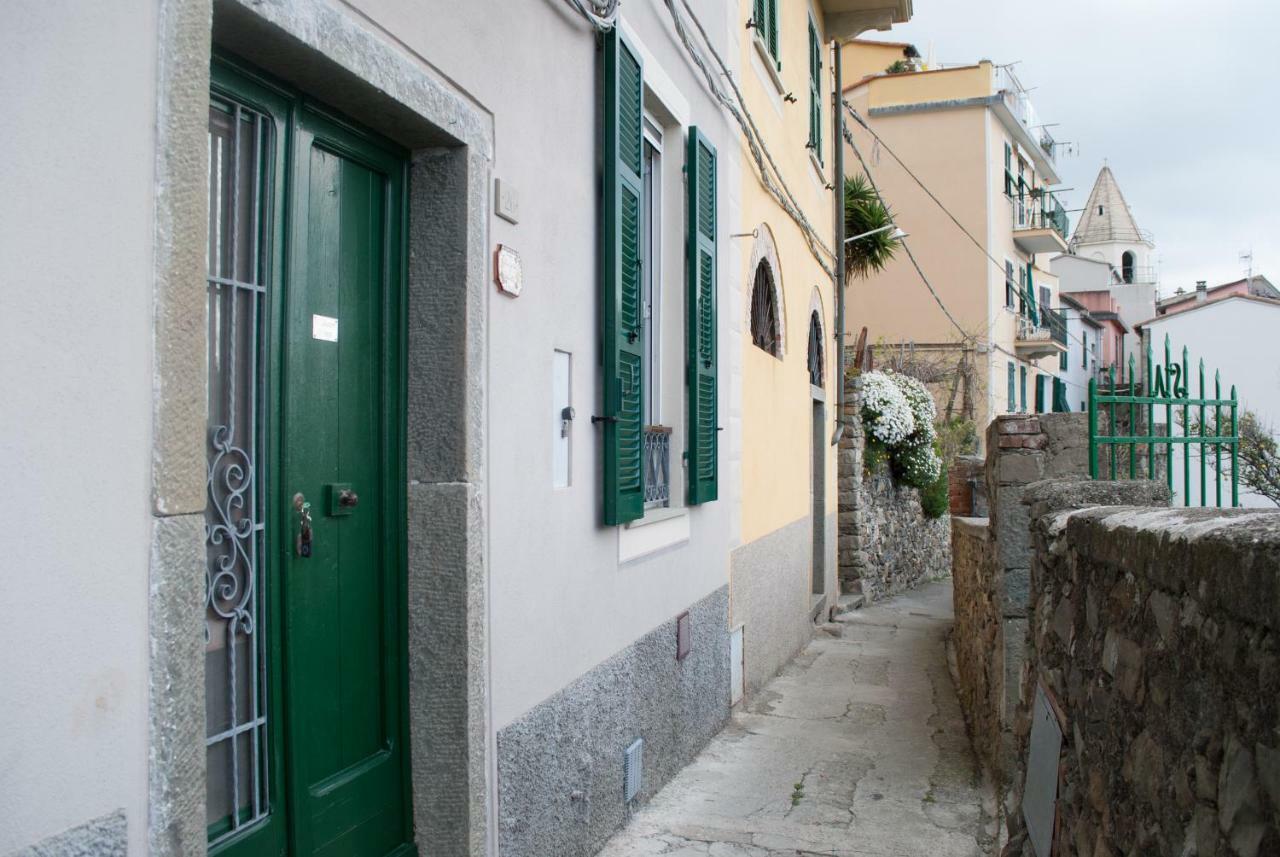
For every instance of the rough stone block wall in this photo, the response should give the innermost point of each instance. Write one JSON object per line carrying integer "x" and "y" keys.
{"x": 978, "y": 636}
{"x": 1157, "y": 633}
{"x": 887, "y": 545}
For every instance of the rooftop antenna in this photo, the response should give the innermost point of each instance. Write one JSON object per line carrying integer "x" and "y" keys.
{"x": 1247, "y": 257}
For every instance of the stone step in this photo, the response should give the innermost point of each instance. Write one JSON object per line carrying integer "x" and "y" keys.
{"x": 851, "y": 586}
{"x": 846, "y": 604}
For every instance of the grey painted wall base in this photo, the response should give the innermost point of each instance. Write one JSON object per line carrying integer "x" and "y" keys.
{"x": 560, "y": 765}
{"x": 107, "y": 836}
{"x": 769, "y": 582}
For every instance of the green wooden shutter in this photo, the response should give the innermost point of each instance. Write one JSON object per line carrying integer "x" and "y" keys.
{"x": 1022, "y": 388}
{"x": 1008, "y": 170}
{"x": 815, "y": 92}
{"x": 620, "y": 298}
{"x": 1040, "y": 394}
{"x": 1013, "y": 393}
{"x": 700, "y": 340}
{"x": 760, "y": 14}
{"x": 772, "y": 38}
{"x": 1031, "y": 295}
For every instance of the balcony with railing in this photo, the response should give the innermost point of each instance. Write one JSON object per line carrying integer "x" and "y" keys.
{"x": 657, "y": 467}
{"x": 1017, "y": 100}
{"x": 1044, "y": 336}
{"x": 1040, "y": 223}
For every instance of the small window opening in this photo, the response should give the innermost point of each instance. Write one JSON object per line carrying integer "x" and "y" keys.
{"x": 764, "y": 310}
{"x": 815, "y": 350}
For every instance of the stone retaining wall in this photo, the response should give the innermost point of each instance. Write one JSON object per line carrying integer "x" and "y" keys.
{"x": 978, "y": 637}
{"x": 886, "y": 544}
{"x": 1156, "y": 633}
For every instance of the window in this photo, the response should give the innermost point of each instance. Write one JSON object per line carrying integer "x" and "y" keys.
{"x": 815, "y": 92}
{"x": 1022, "y": 291}
{"x": 815, "y": 350}
{"x": 765, "y": 18}
{"x": 1009, "y": 287}
{"x": 1084, "y": 350}
{"x": 651, "y": 271}
{"x": 1013, "y": 402}
{"x": 1062, "y": 362}
{"x": 636, "y": 452}
{"x": 1022, "y": 388}
{"x": 764, "y": 310}
{"x": 1126, "y": 266}
{"x": 1044, "y": 306}
{"x": 1008, "y": 170}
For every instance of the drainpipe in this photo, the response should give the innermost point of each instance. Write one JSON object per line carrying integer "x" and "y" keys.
{"x": 837, "y": 121}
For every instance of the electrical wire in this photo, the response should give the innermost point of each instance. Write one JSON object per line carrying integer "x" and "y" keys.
{"x": 981, "y": 247}
{"x": 766, "y": 168}
{"x": 601, "y": 14}
{"x": 964, "y": 334}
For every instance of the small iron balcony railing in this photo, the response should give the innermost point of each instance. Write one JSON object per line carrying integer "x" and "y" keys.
{"x": 657, "y": 467}
{"x": 1049, "y": 326}
{"x": 1040, "y": 210}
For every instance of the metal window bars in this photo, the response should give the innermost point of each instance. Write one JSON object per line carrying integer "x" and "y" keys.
{"x": 1133, "y": 425}
{"x": 235, "y": 659}
{"x": 657, "y": 466}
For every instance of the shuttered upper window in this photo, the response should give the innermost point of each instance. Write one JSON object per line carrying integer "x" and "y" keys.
{"x": 765, "y": 17}
{"x": 703, "y": 430}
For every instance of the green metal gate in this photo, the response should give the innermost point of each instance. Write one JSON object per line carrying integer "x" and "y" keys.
{"x": 1132, "y": 406}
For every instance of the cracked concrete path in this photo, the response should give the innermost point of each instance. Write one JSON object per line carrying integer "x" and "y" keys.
{"x": 857, "y": 748}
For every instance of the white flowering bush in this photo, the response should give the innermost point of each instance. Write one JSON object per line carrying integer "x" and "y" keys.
{"x": 923, "y": 411}
{"x": 918, "y": 466}
{"x": 898, "y": 417}
{"x": 887, "y": 416}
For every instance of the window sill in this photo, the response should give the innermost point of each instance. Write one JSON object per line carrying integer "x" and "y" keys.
{"x": 770, "y": 64}
{"x": 659, "y": 530}
{"x": 818, "y": 169}
{"x": 657, "y": 515}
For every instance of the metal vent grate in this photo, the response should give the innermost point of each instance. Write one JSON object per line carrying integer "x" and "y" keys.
{"x": 633, "y": 770}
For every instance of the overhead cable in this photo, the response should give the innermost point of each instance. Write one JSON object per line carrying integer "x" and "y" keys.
{"x": 766, "y": 167}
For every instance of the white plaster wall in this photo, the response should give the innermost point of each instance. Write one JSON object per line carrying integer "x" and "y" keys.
{"x": 561, "y": 602}
{"x": 1237, "y": 338}
{"x": 1079, "y": 337}
{"x": 78, "y": 98}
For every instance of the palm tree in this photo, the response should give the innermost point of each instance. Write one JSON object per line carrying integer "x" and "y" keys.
{"x": 863, "y": 212}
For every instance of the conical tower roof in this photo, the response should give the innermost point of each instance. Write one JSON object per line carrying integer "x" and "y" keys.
{"x": 1107, "y": 216}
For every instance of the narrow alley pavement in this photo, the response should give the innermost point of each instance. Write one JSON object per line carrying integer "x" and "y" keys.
{"x": 857, "y": 748}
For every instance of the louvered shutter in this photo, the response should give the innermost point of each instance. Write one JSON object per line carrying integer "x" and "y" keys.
{"x": 1031, "y": 296}
{"x": 700, "y": 340}
{"x": 772, "y": 40}
{"x": 760, "y": 14}
{"x": 620, "y": 298}
{"x": 815, "y": 92}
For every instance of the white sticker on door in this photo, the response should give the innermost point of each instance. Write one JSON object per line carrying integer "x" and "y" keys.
{"x": 324, "y": 327}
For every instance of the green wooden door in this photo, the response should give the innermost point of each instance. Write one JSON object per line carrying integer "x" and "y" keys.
{"x": 307, "y": 733}
{"x": 341, "y": 437}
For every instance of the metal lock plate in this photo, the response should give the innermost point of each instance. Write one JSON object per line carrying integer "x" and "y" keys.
{"x": 340, "y": 499}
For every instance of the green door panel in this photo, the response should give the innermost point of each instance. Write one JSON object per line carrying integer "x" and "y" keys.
{"x": 341, "y": 423}
{"x": 333, "y": 410}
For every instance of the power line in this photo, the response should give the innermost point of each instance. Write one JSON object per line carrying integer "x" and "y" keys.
{"x": 964, "y": 334}
{"x": 759, "y": 151}
{"x": 1000, "y": 266}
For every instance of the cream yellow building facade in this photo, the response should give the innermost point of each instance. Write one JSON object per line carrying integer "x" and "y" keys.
{"x": 971, "y": 137}
{"x": 783, "y": 571}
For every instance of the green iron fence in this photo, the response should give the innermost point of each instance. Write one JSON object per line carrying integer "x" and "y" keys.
{"x": 1132, "y": 407}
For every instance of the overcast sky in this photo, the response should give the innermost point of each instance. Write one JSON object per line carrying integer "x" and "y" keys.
{"x": 1181, "y": 98}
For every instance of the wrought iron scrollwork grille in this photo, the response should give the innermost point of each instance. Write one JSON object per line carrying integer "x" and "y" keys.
{"x": 815, "y": 350}
{"x": 657, "y": 466}
{"x": 235, "y": 656}
{"x": 764, "y": 310}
